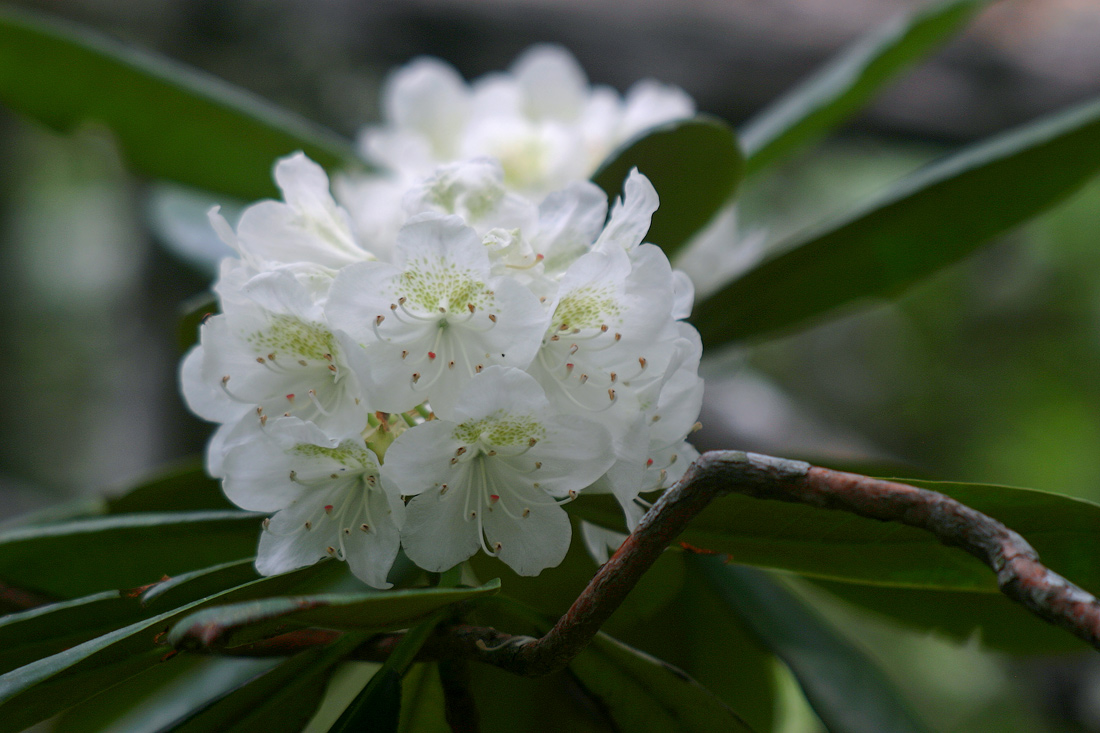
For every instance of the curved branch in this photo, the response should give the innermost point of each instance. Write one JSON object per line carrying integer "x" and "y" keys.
{"x": 1020, "y": 575}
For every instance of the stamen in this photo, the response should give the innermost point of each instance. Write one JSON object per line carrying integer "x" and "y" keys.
{"x": 471, "y": 307}
{"x": 309, "y": 524}
{"x": 290, "y": 397}
{"x": 328, "y": 507}
{"x": 526, "y": 513}
{"x": 365, "y": 527}
{"x": 611, "y": 394}
{"x": 492, "y": 318}
{"x": 317, "y": 403}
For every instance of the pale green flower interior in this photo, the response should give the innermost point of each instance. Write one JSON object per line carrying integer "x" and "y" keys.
{"x": 347, "y": 453}
{"x": 478, "y": 202}
{"x": 288, "y": 334}
{"x": 588, "y": 306}
{"x": 501, "y": 430}
{"x": 441, "y": 285}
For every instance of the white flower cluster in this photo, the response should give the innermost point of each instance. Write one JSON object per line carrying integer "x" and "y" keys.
{"x": 445, "y": 386}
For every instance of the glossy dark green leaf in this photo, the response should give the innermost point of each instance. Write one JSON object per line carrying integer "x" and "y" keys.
{"x": 187, "y": 587}
{"x": 645, "y": 695}
{"x": 180, "y": 487}
{"x": 990, "y": 618}
{"x": 46, "y": 630}
{"x": 849, "y": 81}
{"x": 842, "y": 546}
{"x": 171, "y": 122}
{"x": 155, "y": 700}
{"x": 925, "y": 222}
{"x": 51, "y": 684}
{"x": 695, "y": 165}
{"x": 842, "y": 683}
{"x": 378, "y": 706}
{"x": 281, "y": 700}
{"x": 122, "y": 551}
{"x": 422, "y": 706}
{"x": 375, "y": 610}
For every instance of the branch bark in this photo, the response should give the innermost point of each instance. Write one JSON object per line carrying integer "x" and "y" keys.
{"x": 1020, "y": 574}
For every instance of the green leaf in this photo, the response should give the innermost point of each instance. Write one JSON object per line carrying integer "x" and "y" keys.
{"x": 994, "y": 620}
{"x": 227, "y": 626}
{"x": 46, "y": 630}
{"x": 122, "y": 551}
{"x": 644, "y": 694}
{"x": 422, "y": 706}
{"x": 844, "y": 686}
{"x": 849, "y": 81}
{"x": 49, "y": 685}
{"x": 282, "y": 699}
{"x": 180, "y": 487}
{"x": 154, "y": 700}
{"x": 378, "y": 706}
{"x": 171, "y": 121}
{"x": 841, "y": 546}
{"x": 928, "y": 220}
{"x": 695, "y": 165}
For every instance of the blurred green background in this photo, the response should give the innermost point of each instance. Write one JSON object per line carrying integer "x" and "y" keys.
{"x": 987, "y": 372}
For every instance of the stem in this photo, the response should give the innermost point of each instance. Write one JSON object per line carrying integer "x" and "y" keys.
{"x": 1020, "y": 575}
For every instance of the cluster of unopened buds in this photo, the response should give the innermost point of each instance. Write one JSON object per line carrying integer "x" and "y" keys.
{"x": 442, "y": 354}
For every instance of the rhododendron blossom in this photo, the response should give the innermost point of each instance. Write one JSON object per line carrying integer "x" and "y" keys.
{"x": 445, "y": 382}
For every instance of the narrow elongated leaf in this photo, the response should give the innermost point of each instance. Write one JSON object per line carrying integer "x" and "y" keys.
{"x": 378, "y": 706}
{"x": 994, "y": 620}
{"x": 841, "y": 546}
{"x": 644, "y": 694}
{"x": 47, "y": 686}
{"x": 845, "y": 687}
{"x": 695, "y": 165}
{"x": 850, "y": 80}
{"x": 154, "y": 700}
{"x": 46, "y": 630}
{"x": 281, "y": 699}
{"x": 122, "y": 551}
{"x": 422, "y": 706}
{"x": 241, "y": 623}
{"x": 179, "y": 487}
{"x": 172, "y": 122}
{"x": 928, "y": 220}
{"x": 43, "y": 631}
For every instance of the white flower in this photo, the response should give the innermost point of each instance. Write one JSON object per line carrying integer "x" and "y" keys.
{"x": 435, "y": 318}
{"x": 631, "y": 215}
{"x": 272, "y": 353}
{"x": 328, "y": 499}
{"x": 474, "y": 190}
{"x": 308, "y": 228}
{"x": 541, "y": 120}
{"x": 491, "y": 473}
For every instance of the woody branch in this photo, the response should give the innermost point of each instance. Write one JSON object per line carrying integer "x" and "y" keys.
{"x": 1020, "y": 574}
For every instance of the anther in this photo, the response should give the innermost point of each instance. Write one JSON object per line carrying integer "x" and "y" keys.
{"x": 613, "y": 376}
{"x": 267, "y": 522}
{"x": 491, "y": 453}
{"x": 404, "y": 353}
{"x": 583, "y": 378}
{"x": 573, "y": 349}
{"x": 473, "y": 515}
{"x": 260, "y": 360}
{"x": 365, "y": 527}
{"x": 330, "y": 550}
{"x": 347, "y": 530}
{"x": 431, "y": 354}
{"x": 460, "y": 451}
{"x": 293, "y": 475}
{"x": 309, "y": 524}
{"x": 332, "y": 367}
{"x": 538, "y": 464}
{"x": 290, "y": 397}
{"x": 642, "y": 361}
{"x": 655, "y": 418}
{"x": 225, "y": 379}
{"x": 416, "y": 377}
{"x": 531, "y": 442}
{"x": 497, "y": 546}
{"x": 555, "y": 337}
{"x": 326, "y": 357}
{"x": 401, "y": 300}
{"x": 492, "y": 318}
{"x": 618, "y": 336}
{"x": 471, "y": 307}
{"x": 649, "y": 463}
{"x": 478, "y": 368}
{"x": 393, "y": 307}
{"x": 696, "y": 427}
{"x": 572, "y": 493}
{"x": 672, "y": 459}
{"x": 526, "y": 513}
{"x": 303, "y": 362}
{"x": 611, "y": 394}
{"x": 263, "y": 420}
{"x": 271, "y": 356}
{"x": 494, "y": 498}
{"x": 443, "y": 489}
{"x": 451, "y": 365}
{"x": 603, "y": 328}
